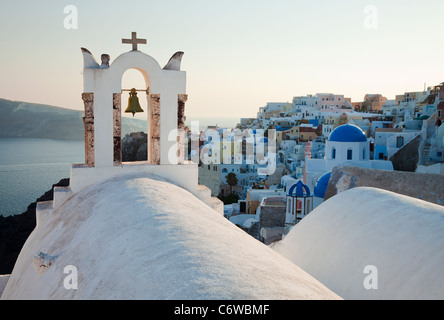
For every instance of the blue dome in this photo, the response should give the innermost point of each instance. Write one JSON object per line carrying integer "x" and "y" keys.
{"x": 348, "y": 133}
{"x": 321, "y": 185}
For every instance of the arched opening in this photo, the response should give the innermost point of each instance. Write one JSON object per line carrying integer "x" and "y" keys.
{"x": 135, "y": 131}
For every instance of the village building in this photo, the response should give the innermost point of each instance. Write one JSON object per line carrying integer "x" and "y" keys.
{"x": 347, "y": 144}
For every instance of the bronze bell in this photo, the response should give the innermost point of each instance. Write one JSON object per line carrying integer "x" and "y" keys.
{"x": 133, "y": 103}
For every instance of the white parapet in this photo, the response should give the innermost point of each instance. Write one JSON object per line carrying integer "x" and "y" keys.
{"x": 43, "y": 210}
{"x": 60, "y": 195}
{"x": 204, "y": 194}
{"x": 3, "y": 281}
{"x": 217, "y": 205}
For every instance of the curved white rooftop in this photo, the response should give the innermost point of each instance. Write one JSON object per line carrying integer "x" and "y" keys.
{"x": 141, "y": 237}
{"x": 401, "y": 236}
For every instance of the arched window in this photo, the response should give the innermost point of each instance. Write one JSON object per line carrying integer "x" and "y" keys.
{"x": 333, "y": 153}
{"x": 349, "y": 154}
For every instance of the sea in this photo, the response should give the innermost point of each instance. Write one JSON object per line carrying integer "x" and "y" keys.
{"x": 222, "y": 122}
{"x": 29, "y": 167}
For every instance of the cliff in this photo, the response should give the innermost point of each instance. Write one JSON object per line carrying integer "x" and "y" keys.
{"x": 14, "y": 230}
{"x": 134, "y": 147}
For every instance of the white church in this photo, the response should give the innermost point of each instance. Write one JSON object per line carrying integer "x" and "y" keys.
{"x": 346, "y": 145}
{"x": 147, "y": 230}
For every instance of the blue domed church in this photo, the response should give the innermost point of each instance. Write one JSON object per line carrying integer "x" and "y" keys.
{"x": 347, "y": 145}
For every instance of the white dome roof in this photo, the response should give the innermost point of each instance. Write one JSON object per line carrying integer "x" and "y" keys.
{"x": 144, "y": 238}
{"x": 401, "y": 236}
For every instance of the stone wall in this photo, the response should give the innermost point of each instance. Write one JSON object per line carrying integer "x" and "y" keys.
{"x": 181, "y": 128}
{"x": 155, "y": 129}
{"x": 117, "y": 128}
{"x": 271, "y": 223}
{"x": 272, "y": 216}
{"x": 424, "y": 186}
{"x": 88, "y": 120}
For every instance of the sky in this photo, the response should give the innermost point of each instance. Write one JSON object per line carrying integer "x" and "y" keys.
{"x": 239, "y": 55}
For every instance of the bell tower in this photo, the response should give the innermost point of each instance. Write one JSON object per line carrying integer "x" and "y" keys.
{"x": 165, "y": 89}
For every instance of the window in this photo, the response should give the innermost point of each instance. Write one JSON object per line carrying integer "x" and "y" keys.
{"x": 349, "y": 154}
{"x": 333, "y": 153}
{"x": 399, "y": 142}
{"x": 381, "y": 156}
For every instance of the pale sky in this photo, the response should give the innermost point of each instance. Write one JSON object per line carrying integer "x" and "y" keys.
{"x": 239, "y": 55}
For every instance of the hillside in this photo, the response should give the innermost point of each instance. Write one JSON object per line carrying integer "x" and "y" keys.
{"x": 30, "y": 120}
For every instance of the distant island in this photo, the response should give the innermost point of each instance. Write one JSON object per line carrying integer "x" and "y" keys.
{"x": 29, "y": 120}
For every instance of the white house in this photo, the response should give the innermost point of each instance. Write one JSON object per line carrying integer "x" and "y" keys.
{"x": 327, "y": 129}
{"x": 389, "y": 141}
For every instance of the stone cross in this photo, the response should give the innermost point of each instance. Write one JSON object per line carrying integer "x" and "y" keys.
{"x": 134, "y": 41}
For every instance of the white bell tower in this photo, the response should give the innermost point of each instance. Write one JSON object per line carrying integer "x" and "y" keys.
{"x": 166, "y": 97}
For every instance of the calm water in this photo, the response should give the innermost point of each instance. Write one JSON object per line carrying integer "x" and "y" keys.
{"x": 208, "y": 121}
{"x": 29, "y": 168}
